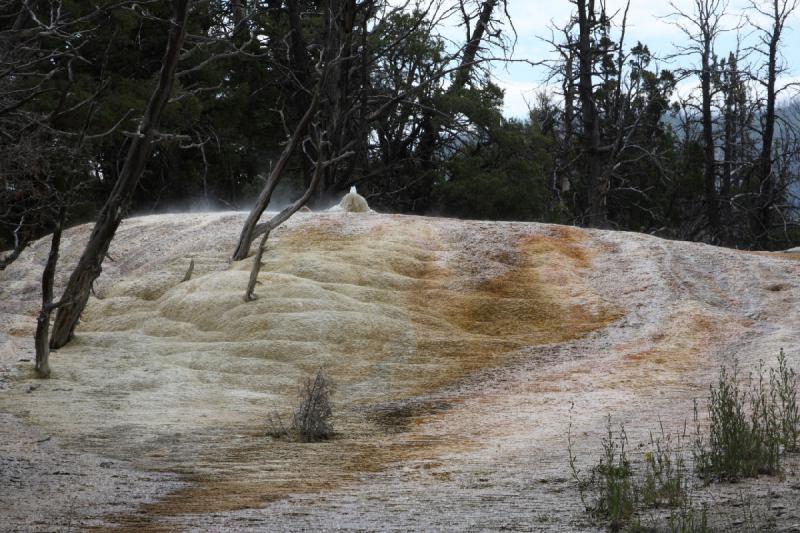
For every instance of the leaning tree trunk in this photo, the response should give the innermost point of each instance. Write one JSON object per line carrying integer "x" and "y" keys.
{"x": 89, "y": 266}
{"x": 273, "y": 223}
{"x": 43, "y": 320}
{"x": 471, "y": 49}
{"x": 283, "y": 216}
{"x": 249, "y": 229}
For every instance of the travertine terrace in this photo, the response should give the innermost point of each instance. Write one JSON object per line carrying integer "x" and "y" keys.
{"x": 457, "y": 347}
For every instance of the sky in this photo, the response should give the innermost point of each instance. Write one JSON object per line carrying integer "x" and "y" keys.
{"x": 532, "y": 19}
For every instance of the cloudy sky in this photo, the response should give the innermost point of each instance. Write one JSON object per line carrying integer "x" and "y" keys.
{"x": 645, "y": 23}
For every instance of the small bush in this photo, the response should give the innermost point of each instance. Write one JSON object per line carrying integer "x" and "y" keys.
{"x": 749, "y": 428}
{"x": 312, "y": 419}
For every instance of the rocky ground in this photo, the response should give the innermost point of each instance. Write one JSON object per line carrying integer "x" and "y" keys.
{"x": 462, "y": 351}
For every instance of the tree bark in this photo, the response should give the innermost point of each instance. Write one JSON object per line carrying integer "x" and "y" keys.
{"x": 569, "y": 117}
{"x": 90, "y": 264}
{"x": 336, "y": 87}
{"x": 297, "y": 94}
{"x": 429, "y": 136}
{"x": 240, "y": 28}
{"x": 709, "y": 158}
{"x": 42, "y": 334}
{"x": 19, "y": 244}
{"x": 471, "y": 49}
{"x": 766, "y": 189}
{"x": 595, "y": 197}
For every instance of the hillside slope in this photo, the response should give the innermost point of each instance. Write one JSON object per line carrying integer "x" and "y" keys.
{"x": 457, "y": 348}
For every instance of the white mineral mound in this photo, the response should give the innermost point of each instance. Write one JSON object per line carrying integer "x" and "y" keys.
{"x": 457, "y": 348}
{"x": 352, "y": 202}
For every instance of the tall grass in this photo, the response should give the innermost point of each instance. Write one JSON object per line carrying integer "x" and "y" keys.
{"x": 751, "y": 424}
{"x": 750, "y": 427}
{"x": 613, "y": 478}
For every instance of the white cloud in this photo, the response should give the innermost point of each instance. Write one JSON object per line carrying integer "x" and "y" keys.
{"x": 519, "y": 94}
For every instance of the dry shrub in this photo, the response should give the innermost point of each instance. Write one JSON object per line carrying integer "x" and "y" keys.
{"x": 275, "y": 426}
{"x": 312, "y": 418}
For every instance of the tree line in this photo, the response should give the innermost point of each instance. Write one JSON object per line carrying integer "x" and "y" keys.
{"x": 120, "y": 105}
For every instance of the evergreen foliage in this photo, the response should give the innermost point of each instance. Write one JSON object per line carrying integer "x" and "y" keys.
{"x": 71, "y": 100}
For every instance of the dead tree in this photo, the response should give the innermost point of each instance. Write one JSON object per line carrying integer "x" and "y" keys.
{"x": 776, "y": 12}
{"x": 249, "y": 231}
{"x": 731, "y": 87}
{"x": 590, "y": 120}
{"x": 76, "y": 293}
{"x": 701, "y": 27}
{"x": 566, "y": 70}
{"x": 474, "y": 43}
{"x": 321, "y": 148}
{"x": 331, "y": 95}
{"x": 347, "y": 107}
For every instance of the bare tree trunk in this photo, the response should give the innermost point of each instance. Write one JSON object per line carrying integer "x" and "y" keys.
{"x": 471, "y": 50}
{"x": 189, "y": 271}
{"x": 42, "y": 334}
{"x": 299, "y": 99}
{"x": 429, "y": 136}
{"x": 778, "y": 14}
{"x": 276, "y": 221}
{"x": 250, "y": 293}
{"x": 701, "y": 26}
{"x": 336, "y": 87}
{"x": 90, "y": 264}
{"x": 249, "y": 228}
{"x": 766, "y": 187}
{"x": 709, "y": 159}
{"x": 569, "y": 117}
{"x": 592, "y": 167}
{"x": 240, "y": 28}
{"x": 729, "y": 149}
